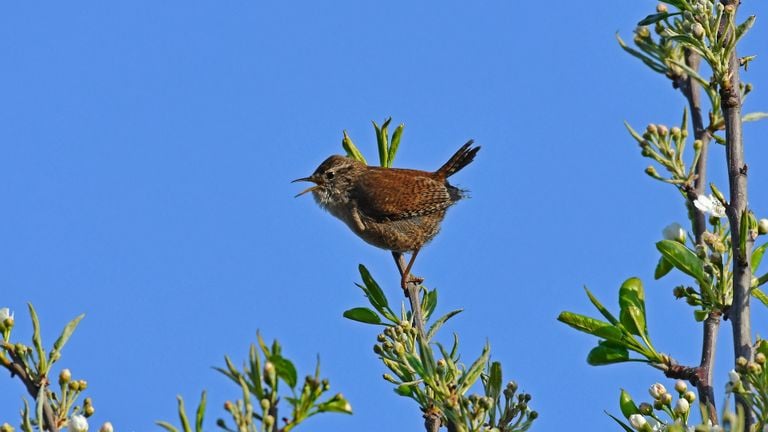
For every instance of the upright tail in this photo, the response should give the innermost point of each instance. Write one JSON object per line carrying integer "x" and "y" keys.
{"x": 459, "y": 160}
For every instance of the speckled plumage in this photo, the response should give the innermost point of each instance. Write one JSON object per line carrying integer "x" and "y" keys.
{"x": 391, "y": 208}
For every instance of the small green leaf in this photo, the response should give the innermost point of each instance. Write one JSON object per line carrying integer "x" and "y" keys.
{"x": 351, "y": 149}
{"x": 700, "y": 315}
{"x": 632, "y": 303}
{"x": 37, "y": 340}
{"x": 757, "y": 257}
{"x": 428, "y": 304}
{"x": 607, "y": 353}
{"x": 64, "y": 337}
{"x": 609, "y": 316}
{"x": 627, "y": 405}
{"x": 200, "y": 413}
{"x": 662, "y": 268}
{"x": 760, "y": 295}
{"x": 762, "y": 347}
{"x": 623, "y": 426}
{"x": 285, "y": 370}
{"x": 654, "y": 18}
{"x": 469, "y": 377}
{"x": 683, "y": 259}
{"x": 755, "y": 116}
{"x": 591, "y": 325}
{"x": 395, "y": 143}
{"x": 373, "y": 291}
{"x": 439, "y": 323}
{"x": 363, "y": 315}
{"x": 167, "y": 426}
{"x": 183, "y": 415}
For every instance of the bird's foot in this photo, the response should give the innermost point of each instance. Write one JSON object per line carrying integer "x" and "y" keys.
{"x": 409, "y": 278}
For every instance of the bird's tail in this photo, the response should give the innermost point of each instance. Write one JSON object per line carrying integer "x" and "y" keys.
{"x": 459, "y": 160}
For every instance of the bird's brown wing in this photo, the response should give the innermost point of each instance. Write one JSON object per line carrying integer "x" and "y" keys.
{"x": 394, "y": 194}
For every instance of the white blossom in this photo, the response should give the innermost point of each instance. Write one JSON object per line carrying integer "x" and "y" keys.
{"x": 637, "y": 421}
{"x": 682, "y": 406}
{"x": 710, "y": 204}
{"x": 5, "y": 313}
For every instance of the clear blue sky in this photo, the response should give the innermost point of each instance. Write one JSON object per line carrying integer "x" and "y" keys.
{"x": 146, "y": 150}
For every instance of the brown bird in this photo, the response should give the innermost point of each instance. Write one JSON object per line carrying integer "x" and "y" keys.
{"x": 395, "y": 209}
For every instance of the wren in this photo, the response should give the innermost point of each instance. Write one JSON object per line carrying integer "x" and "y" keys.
{"x": 395, "y": 209}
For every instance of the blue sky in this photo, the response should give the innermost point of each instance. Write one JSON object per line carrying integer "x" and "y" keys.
{"x": 146, "y": 150}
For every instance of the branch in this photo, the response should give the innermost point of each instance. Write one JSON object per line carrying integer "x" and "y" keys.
{"x": 412, "y": 292}
{"x": 730, "y": 94}
{"x": 692, "y": 92}
{"x": 16, "y": 367}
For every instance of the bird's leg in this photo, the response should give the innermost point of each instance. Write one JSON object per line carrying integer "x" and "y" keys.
{"x": 405, "y": 270}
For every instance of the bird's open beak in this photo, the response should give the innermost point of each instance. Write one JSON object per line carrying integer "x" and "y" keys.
{"x": 310, "y": 189}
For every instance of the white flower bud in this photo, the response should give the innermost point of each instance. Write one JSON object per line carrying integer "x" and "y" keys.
{"x": 682, "y": 406}
{"x": 733, "y": 377}
{"x": 78, "y": 423}
{"x": 637, "y": 421}
{"x": 674, "y": 231}
{"x": 657, "y": 390}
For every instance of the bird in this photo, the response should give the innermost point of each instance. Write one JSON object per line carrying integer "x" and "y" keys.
{"x": 396, "y": 209}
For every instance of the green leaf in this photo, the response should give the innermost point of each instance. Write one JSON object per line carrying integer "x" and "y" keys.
{"x": 683, "y": 259}
{"x": 493, "y": 386}
{"x": 200, "y": 413}
{"x": 183, "y": 415}
{"x": 167, "y": 426}
{"x": 757, "y": 257}
{"x": 381, "y": 142}
{"x": 623, "y": 426}
{"x": 632, "y": 303}
{"x": 591, "y": 325}
{"x": 760, "y": 295}
{"x": 755, "y": 116}
{"x": 609, "y": 316}
{"x": 607, "y": 353}
{"x": 285, "y": 370}
{"x": 254, "y": 372}
{"x": 651, "y": 63}
{"x": 469, "y": 377}
{"x": 700, "y": 315}
{"x": 64, "y": 337}
{"x": 654, "y": 18}
{"x": 395, "y": 143}
{"x": 439, "y": 323}
{"x": 662, "y": 268}
{"x": 351, "y": 149}
{"x": 627, "y": 405}
{"x": 373, "y": 291}
{"x": 363, "y": 315}
{"x": 37, "y": 340}
{"x": 336, "y": 404}
{"x": 428, "y": 304}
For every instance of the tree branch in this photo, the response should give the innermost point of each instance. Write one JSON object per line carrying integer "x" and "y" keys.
{"x": 730, "y": 95}
{"x": 692, "y": 92}
{"x": 16, "y": 367}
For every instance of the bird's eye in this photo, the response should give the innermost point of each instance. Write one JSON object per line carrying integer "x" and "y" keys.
{"x": 329, "y": 175}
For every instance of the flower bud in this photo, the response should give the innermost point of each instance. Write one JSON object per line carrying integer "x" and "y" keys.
{"x": 637, "y": 421}
{"x": 678, "y": 292}
{"x": 643, "y": 32}
{"x": 662, "y": 130}
{"x": 651, "y": 171}
{"x": 645, "y": 408}
{"x": 270, "y": 374}
{"x": 741, "y": 362}
{"x": 666, "y": 399}
{"x": 82, "y": 385}
{"x": 78, "y": 423}
{"x": 6, "y": 319}
{"x": 657, "y": 390}
{"x": 269, "y": 421}
{"x": 675, "y": 131}
{"x": 754, "y": 368}
{"x": 674, "y": 231}
{"x": 381, "y": 338}
{"x": 690, "y": 396}
{"x": 762, "y": 226}
{"x": 399, "y": 348}
{"x": 652, "y": 129}
{"x": 681, "y": 386}
{"x": 64, "y": 376}
{"x": 661, "y": 8}
{"x": 390, "y": 378}
{"x": 682, "y": 406}
{"x": 760, "y": 358}
{"x": 697, "y": 30}
{"x": 5, "y": 427}
{"x": 89, "y": 410}
{"x": 734, "y": 377}
{"x": 106, "y": 427}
